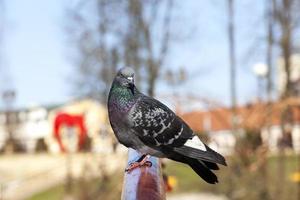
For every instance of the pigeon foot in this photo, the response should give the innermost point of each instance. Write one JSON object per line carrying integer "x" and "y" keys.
{"x": 141, "y": 162}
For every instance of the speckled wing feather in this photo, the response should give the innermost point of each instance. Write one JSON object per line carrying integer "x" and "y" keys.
{"x": 157, "y": 125}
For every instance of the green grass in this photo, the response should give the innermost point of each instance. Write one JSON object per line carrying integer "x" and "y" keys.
{"x": 54, "y": 193}
{"x": 108, "y": 188}
{"x": 186, "y": 178}
{"x": 238, "y": 182}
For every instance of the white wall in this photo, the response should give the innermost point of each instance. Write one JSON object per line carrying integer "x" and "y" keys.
{"x": 222, "y": 141}
{"x": 276, "y": 134}
{"x": 271, "y": 139}
{"x": 34, "y": 125}
{"x": 296, "y": 138}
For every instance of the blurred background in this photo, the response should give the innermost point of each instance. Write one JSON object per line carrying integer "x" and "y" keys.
{"x": 230, "y": 69}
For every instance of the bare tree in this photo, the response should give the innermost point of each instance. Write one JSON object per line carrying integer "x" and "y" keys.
{"x": 269, "y": 15}
{"x": 94, "y": 60}
{"x": 154, "y": 58}
{"x": 108, "y": 34}
{"x": 286, "y": 17}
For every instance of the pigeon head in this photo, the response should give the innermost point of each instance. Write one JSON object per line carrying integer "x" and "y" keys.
{"x": 125, "y": 77}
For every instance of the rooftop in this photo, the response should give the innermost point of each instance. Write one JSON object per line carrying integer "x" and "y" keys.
{"x": 250, "y": 116}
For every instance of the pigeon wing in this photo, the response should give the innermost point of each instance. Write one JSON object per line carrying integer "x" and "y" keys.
{"x": 157, "y": 126}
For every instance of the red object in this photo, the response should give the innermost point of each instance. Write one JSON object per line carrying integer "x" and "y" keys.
{"x": 65, "y": 119}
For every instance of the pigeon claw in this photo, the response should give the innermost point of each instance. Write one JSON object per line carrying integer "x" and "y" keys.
{"x": 148, "y": 164}
{"x": 135, "y": 165}
{"x": 132, "y": 166}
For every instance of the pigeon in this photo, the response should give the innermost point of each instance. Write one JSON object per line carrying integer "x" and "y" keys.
{"x": 145, "y": 124}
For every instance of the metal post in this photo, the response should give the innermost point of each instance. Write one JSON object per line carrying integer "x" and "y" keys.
{"x": 232, "y": 70}
{"x": 145, "y": 183}
{"x": 232, "y": 62}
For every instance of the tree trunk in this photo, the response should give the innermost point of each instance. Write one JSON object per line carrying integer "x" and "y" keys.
{"x": 152, "y": 77}
{"x": 286, "y": 50}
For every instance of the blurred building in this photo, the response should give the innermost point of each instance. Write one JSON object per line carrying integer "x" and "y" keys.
{"x": 31, "y": 125}
{"x": 252, "y": 118}
{"x": 3, "y": 133}
{"x": 214, "y": 124}
{"x": 33, "y": 128}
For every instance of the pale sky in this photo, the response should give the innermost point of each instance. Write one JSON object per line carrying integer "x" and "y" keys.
{"x": 37, "y": 64}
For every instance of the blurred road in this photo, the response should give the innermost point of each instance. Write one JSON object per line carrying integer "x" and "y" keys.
{"x": 23, "y": 175}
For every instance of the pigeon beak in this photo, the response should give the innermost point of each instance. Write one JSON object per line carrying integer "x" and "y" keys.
{"x": 130, "y": 79}
{"x": 131, "y": 87}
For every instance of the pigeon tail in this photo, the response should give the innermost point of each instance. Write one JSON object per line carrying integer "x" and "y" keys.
{"x": 201, "y": 167}
{"x": 202, "y": 171}
{"x": 210, "y": 165}
{"x": 209, "y": 155}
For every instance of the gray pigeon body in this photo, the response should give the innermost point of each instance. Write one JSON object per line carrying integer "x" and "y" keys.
{"x": 148, "y": 126}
